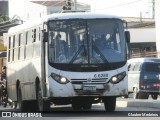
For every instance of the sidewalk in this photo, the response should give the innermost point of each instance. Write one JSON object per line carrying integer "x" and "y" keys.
{"x": 139, "y": 103}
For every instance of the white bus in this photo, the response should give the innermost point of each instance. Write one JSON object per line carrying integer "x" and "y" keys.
{"x": 67, "y": 58}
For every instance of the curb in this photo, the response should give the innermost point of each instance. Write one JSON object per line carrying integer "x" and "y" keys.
{"x": 142, "y": 103}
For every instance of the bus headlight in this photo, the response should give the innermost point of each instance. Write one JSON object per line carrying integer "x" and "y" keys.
{"x": 59, "y": 79}
{"x": 117, "y": 78}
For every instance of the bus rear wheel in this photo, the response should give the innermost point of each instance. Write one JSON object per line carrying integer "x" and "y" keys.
{"x": 22, "y": 105}
{"x": 109, "y": 103}
{"x": 42, "y": 105}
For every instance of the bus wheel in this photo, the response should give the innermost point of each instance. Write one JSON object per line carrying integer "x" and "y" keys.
{"x": 76, "y": 104}
{"x": 5, "y": 101}
{"x": 42, "y": 105}
{"x": 135, "y": 93}
{"x": 14, "y": 105}
{"x": 87, "y": 106}
{"x": 21, "y": 104}
{"x": 109, "y": 103}
{"x": 154, "y": 96}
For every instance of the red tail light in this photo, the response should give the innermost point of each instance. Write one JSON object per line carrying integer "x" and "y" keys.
{"x": 156, "y": 85}
{"x": 142, "y": 84}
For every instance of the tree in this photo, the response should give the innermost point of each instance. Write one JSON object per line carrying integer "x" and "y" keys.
{"x": 3, "y": 18}
{"x": 68, "y": 5}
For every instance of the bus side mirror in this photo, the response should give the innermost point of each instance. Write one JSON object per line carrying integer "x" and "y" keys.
{"x": 127, "y": 36}
{"x": 45, "y": 36}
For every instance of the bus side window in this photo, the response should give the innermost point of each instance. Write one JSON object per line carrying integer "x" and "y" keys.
{"x": 39, "y": 33}
{"x": 13, "y": 46}
{"x": 21, "y": 47}
{"x": 16, "y": 47}
{"x": 9, "y": 48}
{"x": 28, "y": 37}
{"x": 26, "y": 41}
{"x": 34, "y": 35}
{"x": 29, "y": 44}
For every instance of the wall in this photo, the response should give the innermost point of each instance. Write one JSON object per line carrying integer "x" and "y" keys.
{"x": 143, "y": 35}
{"x": 26, "y": 10}
{"x": 157, "y": 19}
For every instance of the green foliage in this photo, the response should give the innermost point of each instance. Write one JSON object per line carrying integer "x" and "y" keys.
{"x": 3, "y": 18}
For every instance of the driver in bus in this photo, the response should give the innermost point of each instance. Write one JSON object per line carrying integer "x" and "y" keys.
{"x": 60, "y": 48}
{"x": 52, "y": 43}
{"x": 101, "y": 42}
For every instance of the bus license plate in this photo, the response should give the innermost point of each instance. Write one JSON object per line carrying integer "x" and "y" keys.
{"x": 89, "y": 88}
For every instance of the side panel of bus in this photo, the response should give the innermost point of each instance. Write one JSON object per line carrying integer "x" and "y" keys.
{"x": 24, "y": 63}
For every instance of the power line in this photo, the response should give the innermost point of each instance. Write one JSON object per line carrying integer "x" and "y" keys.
{"x": 120, "y": 5}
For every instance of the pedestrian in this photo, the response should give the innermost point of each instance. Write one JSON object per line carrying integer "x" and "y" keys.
{"x": 2, "y": 83}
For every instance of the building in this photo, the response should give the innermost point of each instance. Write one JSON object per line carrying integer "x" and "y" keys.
{"x": 33, "y": 9}
{"x": 3, "y": 16}
{"x": 157, "y": 20}
{"x": 4, "y": 7}
{"x": 143, "y": 37}
{"x": 5, "y": 24}
{"x": 26, "y": 10}
{"x": 142, "y": 29}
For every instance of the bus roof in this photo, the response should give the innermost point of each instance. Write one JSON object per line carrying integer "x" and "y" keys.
{"x": 60, "y": 16}
{"x": 141, "y": 60}
{"x": 84, "y": 15}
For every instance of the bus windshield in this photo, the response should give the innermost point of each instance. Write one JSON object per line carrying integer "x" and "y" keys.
{"x": 91, "y": 41}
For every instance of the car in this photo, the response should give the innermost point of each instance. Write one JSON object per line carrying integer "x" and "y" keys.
{"x": 144, "y": 77}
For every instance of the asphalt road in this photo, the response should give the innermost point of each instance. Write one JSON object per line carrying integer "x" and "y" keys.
{"x": 98, "y": 112}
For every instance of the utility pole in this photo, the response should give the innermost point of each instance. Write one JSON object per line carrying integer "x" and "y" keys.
{"x": 75, "y": 5}
{"x": 153, "y": 9}
{"x": 140, "y": 17}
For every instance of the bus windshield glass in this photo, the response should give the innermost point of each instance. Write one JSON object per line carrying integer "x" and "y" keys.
{"x": 91, "y": 41}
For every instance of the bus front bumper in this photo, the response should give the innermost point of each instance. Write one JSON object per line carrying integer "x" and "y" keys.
{"x": 99, "y": 90}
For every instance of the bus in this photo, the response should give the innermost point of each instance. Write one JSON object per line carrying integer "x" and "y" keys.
{"x": 67, "y": 58}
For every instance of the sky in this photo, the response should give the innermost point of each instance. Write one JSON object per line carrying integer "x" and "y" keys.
{"x": 125, "y": 8}
{"x": 122, "y": 8}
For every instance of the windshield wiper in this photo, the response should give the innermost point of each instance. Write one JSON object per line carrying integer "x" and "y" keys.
{"x": 77, "y": 53}
{"x": 101, "y": 55}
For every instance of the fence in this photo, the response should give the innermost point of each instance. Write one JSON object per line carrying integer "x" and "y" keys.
{"x": 145, "y": 54}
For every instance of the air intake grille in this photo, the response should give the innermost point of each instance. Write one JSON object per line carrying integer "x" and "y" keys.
{"x": 95, "y": 80}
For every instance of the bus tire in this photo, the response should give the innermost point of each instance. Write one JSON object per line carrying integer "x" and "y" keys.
{"x": 14, "y": 104}
{"x": 109, "y": 104}
{"x": 22, "y": 105}
{"x": 77, "y": 104}
{"x": 42, "y": 105}
{"x": 87, "y": 106}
